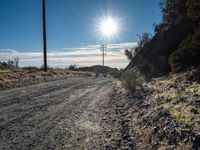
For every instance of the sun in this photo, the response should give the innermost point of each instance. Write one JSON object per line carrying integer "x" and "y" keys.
{"x": 108, "y": 27}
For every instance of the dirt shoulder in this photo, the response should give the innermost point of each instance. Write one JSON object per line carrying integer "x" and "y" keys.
{"x": 15, "y": 79}
{"x": 165, "y": 113}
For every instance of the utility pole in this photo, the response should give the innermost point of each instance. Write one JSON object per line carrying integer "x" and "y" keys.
{"x": 103, "y": 48}
{"x": 44, "y": 34}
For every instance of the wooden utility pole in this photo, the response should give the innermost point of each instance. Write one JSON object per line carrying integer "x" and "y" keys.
{"x": 103, "y": 48}
{"x": 44, "y": 34}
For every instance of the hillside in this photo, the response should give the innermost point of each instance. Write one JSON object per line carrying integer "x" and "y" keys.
{"x": 175, "y": 45}
{"x": 97, "y": 69}
{"x": 165, "y": 113}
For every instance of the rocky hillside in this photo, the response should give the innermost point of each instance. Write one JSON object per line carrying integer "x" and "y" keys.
{"x": 165, "y": 114}
{"x": 175, "y": 45}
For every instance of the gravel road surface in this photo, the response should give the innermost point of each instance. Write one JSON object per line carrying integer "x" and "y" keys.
{"x": 67, "y": 114}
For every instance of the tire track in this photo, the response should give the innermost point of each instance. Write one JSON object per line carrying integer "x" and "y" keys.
{"x": 44, "y": 120}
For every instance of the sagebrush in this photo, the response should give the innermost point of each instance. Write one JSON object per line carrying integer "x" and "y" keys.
{"x": 131, "y": 80}
{"x": 73, "y": 67}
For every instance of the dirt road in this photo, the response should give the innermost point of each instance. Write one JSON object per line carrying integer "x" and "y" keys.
{"x": 67, "y": 114}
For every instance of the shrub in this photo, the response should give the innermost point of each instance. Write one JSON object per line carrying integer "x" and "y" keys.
{"x": 31, "y": 68}
{"x": 193, "y": 9}
{"x": 188, "y": 53}
{"x": 129, "y": 54}
{"x": 116, "y": 73}
{"x": 7, "y": 66}
{"x": 73, "y": 67}
{"x": 143, "y": 40}
{"x": 131, "y": 80}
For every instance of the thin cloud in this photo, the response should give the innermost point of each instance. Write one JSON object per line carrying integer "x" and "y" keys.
{"x": 8, "y": 51}
{"x": 87, "y": 55}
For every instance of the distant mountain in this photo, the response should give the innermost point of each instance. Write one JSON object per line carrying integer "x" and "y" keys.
{"x": 97, "y": 69}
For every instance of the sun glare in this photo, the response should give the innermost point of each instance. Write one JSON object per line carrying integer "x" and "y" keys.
{"x": 108, "y": 27}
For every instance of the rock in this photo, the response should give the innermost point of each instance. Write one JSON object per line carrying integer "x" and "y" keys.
{"x": 194, "y": 111}
{"x": 196, "y": 95}
{"x": 196, "y": 142}
{"x": 146, "y": 106}
{"x": 197, "y": 102}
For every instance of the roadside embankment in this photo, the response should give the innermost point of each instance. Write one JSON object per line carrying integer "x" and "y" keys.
{"x": 15, "y": 79}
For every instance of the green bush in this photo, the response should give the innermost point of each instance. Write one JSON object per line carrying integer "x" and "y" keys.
{"x": 188, "y": 53}
{"x": 73, "y": 67}
{"x": 193, "y": 9}
{"x": 116, "y": 73}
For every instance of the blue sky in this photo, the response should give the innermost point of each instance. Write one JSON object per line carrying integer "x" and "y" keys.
{"x": 71, "y": 27}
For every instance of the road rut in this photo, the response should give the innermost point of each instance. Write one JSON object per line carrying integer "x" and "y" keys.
{"x": 66, "y": 114}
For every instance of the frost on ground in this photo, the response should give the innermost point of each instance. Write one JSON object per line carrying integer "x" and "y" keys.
{"x": 97, "y": 113}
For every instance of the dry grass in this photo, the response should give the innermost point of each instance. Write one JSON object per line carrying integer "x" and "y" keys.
{"x": 5, "y": 70}
{"x": 23, "y": 78}
{"x": 178, "y": 97}
{"x": 183, "y": 116}
{"x": 131, "y": 81}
